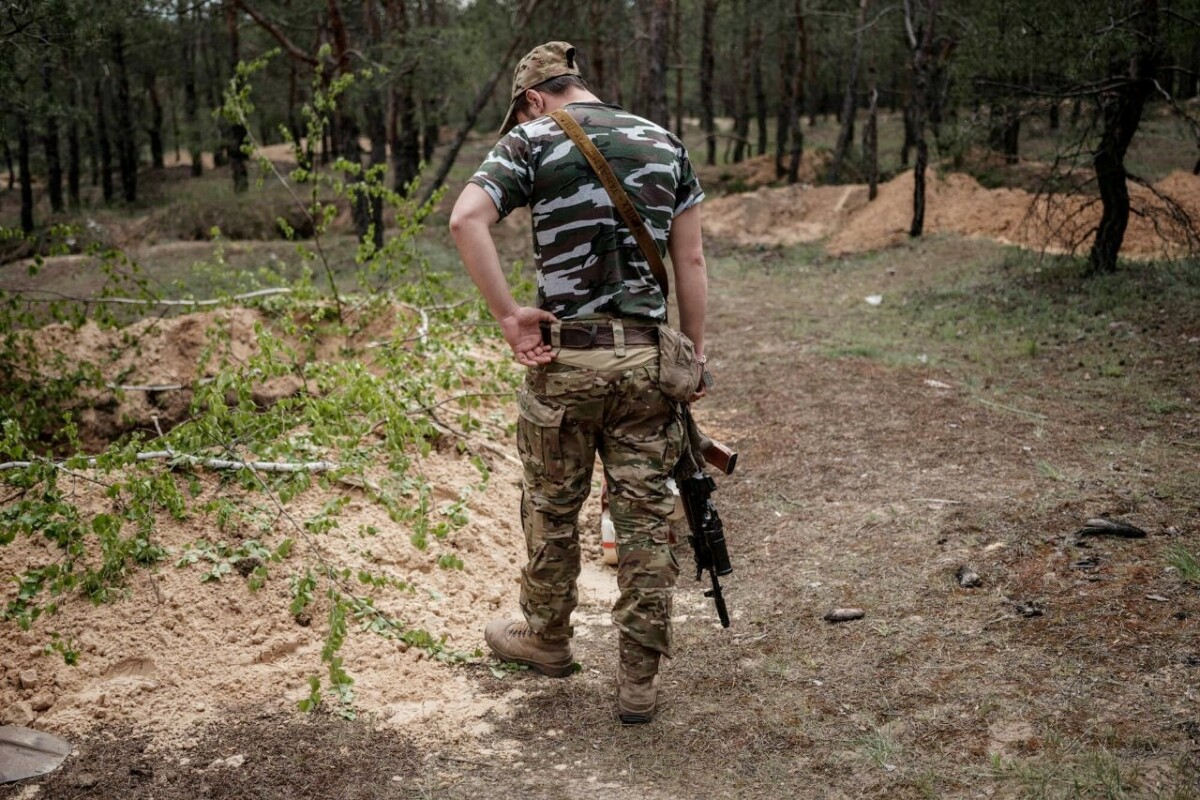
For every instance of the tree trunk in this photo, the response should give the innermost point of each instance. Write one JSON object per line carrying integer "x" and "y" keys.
{"x": 760, "y": 91}
{"x": 214, "y": 82}
{"x": 797, "y": 146}
{"x": 741, "y": 122}
{"x": 50, "y": 137}
{"x": 1121, "y": 111}
{"x": 481, "y": 99}
{"x": 871, "y": 136}
{"x": 191, "y": 104}
{"x": 236, "y": 130}
{"x": 921, "y": 42}
{"x": 374, "y": 112}
{"x": 599, "y": 73}
{"x": 23, "y": 166}
{"x": 786, "y": 109}
{"x": 910, "y": 135}
{"x": 656, "y": 67}
{"x": 849, "y": 98}
{"x": 8, "y": 162}
{"x": 677, "y": 55}
{"x": 103, "y": 144}
{"x": 155, "y": 130}
{"x": 707, "y": 70}
{"x": 74, "y": 167}
{"x": 127, "y": 149}
{"x": 406, "y": 142}
{"x": 1055, "y": 115}
{"x": 431, "y": 97}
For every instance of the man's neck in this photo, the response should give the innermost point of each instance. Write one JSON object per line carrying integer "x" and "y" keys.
{"x": 574, "y": 94}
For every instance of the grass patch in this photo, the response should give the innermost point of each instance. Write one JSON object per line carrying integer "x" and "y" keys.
{"x": 1184, "y": 563}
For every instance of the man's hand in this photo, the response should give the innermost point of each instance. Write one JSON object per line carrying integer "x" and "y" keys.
{"x": 701, "y": 386}
{"x": 522, "y": 330}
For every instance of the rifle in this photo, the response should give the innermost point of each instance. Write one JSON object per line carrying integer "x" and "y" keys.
{"x": 708, "y": 534}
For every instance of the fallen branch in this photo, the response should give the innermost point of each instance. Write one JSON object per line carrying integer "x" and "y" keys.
{"x": 134, "y": 301}
{"x": 197, "y": 461}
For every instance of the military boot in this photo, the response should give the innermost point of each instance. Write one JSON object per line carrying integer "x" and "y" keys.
{"x": 514, "y": 641}
{"x": 637, "y": 682}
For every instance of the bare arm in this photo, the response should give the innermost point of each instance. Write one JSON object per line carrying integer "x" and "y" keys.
{"x": 470, "y": 225}
{"x": 686, "y": 247}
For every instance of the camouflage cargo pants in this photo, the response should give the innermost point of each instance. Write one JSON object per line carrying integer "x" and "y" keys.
{"x": 567, "y": 415}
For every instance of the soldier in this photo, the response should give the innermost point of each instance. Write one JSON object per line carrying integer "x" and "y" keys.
{"x": 591, "y": 350}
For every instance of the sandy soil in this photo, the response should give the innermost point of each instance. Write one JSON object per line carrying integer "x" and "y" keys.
{"x": 956, "y": 203}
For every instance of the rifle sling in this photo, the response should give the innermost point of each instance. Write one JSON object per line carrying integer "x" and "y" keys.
{"x": 633, "y": 220}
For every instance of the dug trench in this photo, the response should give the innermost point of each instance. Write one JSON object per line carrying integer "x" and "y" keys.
{"x": 882, "y": 447}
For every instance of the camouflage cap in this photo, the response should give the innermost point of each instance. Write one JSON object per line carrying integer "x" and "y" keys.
{"x": 546, "y": 61}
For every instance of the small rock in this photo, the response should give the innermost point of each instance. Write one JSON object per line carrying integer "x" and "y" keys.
{"x": 844, "y": 614}
{"x": 235, "y": 761}
{"x": 967, "y": 577}
{"x": 1102, "y": 526}
{"x": 19, "y": 713}
{"x": 1158, "y": 598}
{"x": 41, "y": 702}
{"x": 86, "y": 780}
{"x": 1028, "y": 609}
{"x": 27, "y": 678}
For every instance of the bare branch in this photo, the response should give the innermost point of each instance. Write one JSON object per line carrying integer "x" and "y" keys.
{"x": 908, "y": 25}
{"x": 278, "y": 34}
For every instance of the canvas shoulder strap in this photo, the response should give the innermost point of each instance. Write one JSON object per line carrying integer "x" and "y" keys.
{"x": 620, "y": 199}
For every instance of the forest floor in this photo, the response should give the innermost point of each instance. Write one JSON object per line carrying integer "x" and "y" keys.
{"x": 975, "y": 412}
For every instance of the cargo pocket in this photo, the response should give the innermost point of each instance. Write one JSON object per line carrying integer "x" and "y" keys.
{"x": 539, "y": 435}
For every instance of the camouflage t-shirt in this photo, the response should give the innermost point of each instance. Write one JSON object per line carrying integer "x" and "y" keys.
{"x": 588, "y": 262}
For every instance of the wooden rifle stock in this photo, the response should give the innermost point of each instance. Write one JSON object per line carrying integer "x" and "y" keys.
{"x": 718, "y": 455}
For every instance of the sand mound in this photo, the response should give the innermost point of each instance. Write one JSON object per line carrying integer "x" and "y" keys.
{"x": 955, "y": 203}
{"x": 785, "y": 216}
{"x": 176, "y": 650}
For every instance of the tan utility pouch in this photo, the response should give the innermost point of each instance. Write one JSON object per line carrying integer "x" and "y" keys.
{"x": 677, "y": 373}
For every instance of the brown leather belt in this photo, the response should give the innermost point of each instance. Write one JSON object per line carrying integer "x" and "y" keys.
{"x": 590, "y": 337}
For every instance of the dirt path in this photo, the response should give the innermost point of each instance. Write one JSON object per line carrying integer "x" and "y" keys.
{"x": 869, "y": 474}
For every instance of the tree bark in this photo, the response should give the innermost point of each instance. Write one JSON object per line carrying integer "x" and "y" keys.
{"x": 155, "y": 129}
{"x": 741, "y": 122}
{"x": 127, "y": 149}
{"x": 707, "y": 70}
{"x": 103, "y": 144}
{"x": 236, "y": 130}
{"x": 23, "y": 166}
{"x": 785, "y": 109}
{"x": 8, "y": 162}
{"x": 598, "y": 63}
{"x": 374, "y": 113}
{"x": 920, "y": 39}
{"x": 656, "y": 72}
{"x": 677, "y": 54}
{"x": 871, "y": 136}
{"x": 849, "y": 98}
{"x": 191, "y": 104}
{"x": 1121, "y": 111}
{"x": 760, "y": 91}
{"x": 54, "y": 174}
{"x": 797, "y": 145}
{"x": 405, "y": 136}
{"x": 74, "y": 167}
{"x": 910, "y": 136}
